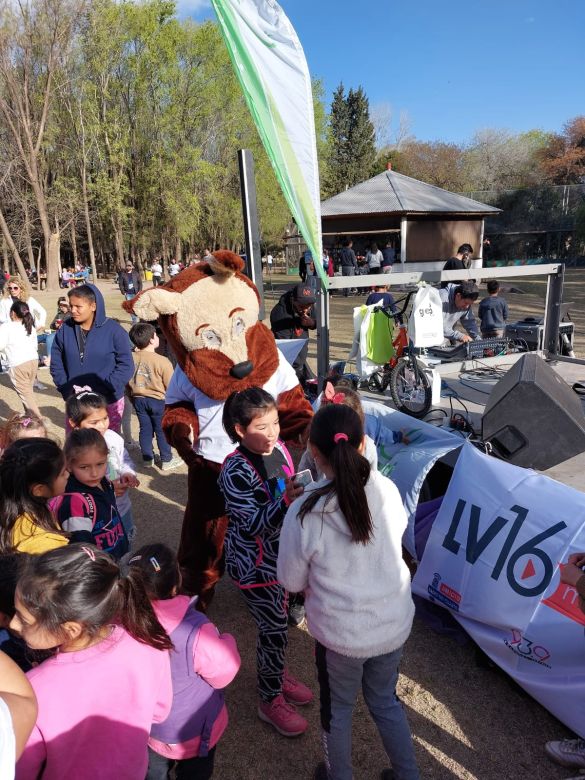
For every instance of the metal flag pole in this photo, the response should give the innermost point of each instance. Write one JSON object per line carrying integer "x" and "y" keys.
{"x": 251, "y": 230}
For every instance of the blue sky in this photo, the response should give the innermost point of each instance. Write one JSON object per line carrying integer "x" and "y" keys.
{"x": 453, "y": 67}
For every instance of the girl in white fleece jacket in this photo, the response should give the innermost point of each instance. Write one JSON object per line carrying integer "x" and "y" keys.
{"x": 341, "y": 544}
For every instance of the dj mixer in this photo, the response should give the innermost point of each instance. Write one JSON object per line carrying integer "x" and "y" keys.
{"x": 477, "y": 350}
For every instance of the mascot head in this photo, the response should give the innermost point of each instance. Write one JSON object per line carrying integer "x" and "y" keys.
{"x": 209, "y": 315}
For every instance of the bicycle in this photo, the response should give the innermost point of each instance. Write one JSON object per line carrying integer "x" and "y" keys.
{"x": 410, "y": 386}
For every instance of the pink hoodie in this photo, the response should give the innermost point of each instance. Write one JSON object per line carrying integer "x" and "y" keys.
{"x": 215, "y": 658}
{"x": 96, "y": 707}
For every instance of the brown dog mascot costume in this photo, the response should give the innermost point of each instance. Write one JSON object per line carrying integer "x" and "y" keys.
{"x": 209, "y": 315}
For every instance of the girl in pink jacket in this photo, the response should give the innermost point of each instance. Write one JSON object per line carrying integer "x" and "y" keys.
{"x": 202, "y": 662}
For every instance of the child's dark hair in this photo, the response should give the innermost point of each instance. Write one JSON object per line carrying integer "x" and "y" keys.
{"x": 79, "y": 583}
{"x": 493, "y": 286}
{"x": 16, "y": 424}
{"x": 337, "y": 432}
{"x": 21, "y": 310}
{"x": 80, "y": 405}
{"x": 345, "y": 394}
{"x": 82, "y": 439}
{"x": 242, "y": 407}
{"x": 141, "y": 334}
{"x": 160, "y": 570}
{"x": 10, "y": 567}
{"x": 82, "y": 291}
{"x": 25, "y": 463}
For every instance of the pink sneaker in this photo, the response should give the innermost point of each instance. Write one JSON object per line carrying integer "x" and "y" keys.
{"x": 294, "y": 691}
{"x": 282, "y": 716}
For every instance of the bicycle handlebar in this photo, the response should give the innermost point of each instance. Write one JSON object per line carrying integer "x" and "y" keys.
{"x": 397, "y": 315}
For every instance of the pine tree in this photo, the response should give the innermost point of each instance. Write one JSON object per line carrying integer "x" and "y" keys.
{"x": 352, "y": 150}
{"x": 361, "y": 139}
{"x": 337, "y": 157}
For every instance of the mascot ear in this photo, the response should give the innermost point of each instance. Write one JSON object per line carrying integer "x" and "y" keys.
{"x": 149, "y": 304}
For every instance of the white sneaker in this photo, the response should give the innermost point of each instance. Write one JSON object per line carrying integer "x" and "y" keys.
{"x": 173, "y": 463}
{"x": 39, "y": 385}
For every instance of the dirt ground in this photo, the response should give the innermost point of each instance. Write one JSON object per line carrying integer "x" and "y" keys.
{"x": 467, "y": 721}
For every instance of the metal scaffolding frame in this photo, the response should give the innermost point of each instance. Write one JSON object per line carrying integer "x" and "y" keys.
{"x": 555, "y": 273}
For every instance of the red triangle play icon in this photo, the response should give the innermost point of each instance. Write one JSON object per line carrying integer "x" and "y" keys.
{"x": 529, "y": 570}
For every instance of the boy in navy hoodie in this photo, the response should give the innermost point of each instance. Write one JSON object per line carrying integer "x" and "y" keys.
{"x": 493, "y": 312}
{"x": 91, "y": 350}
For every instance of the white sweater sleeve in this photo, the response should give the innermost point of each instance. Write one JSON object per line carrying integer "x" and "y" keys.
{"x": 38, "y": 312}
{"x": 292, "y": 568}
{"x": 4, "y": 336}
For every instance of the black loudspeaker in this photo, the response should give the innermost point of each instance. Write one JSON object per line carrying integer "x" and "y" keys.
{"x": 533, "y": 418}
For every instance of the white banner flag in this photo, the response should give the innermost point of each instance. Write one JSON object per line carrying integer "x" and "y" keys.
{"x": 270, "y": 64}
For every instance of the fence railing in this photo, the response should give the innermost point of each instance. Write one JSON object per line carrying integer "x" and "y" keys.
{"x": 554, "y": 272}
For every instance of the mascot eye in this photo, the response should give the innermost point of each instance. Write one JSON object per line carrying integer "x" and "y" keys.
{"x": 238, "y": 327}
{"x": 211, "y": 338}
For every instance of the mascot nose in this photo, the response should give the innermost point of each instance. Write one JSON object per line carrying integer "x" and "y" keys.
{"x": 241, "y": 370}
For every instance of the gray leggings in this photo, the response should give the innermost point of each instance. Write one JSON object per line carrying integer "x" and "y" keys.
{"x": 340, "y": 678}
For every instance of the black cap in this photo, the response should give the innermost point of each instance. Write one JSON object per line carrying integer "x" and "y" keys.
{"x": 304, "y": 294}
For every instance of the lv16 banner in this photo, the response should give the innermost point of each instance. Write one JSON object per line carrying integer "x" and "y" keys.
{"x": 492, "y": 559}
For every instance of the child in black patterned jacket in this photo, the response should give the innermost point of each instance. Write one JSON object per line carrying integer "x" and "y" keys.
{"x": 255, "y": 481}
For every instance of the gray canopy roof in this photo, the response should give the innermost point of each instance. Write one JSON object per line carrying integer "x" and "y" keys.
{"x": 392, "y": 192}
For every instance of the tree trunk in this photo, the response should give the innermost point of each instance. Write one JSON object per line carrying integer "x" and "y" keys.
{"x": 12, "y": 246}
{"x": 29, "y": 247}
{"x": 178, "y": 254}
{"x": 119, "y": 240}
{"x": 73, "y": 236}
{"x": 163, "y": 242}
{"x": 5, "y": 260}
{"x": 53, "y": 261}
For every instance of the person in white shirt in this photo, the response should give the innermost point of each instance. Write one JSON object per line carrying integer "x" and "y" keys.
{"x": 374, "y": 260}
{"x": 18, "y": 290}
{"x": 174, "y": 269}
{"x": 157, "y": 272}
{"x": 341, "y": 543}
{"x": 19, "y": 350}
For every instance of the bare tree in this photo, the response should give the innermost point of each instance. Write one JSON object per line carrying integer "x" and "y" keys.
{"x": 35, "y": 37}
{"x": 390, "y": 134}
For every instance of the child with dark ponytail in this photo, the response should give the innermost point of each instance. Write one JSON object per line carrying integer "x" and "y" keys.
{"x": 109, "y": 679}
{"x": 32, "y": 472}
{"x": 342, "y": 544}
{"x": 20, "y": 352}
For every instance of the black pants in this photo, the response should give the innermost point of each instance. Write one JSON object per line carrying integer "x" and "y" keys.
{"x": 198, "y": 768}
{"x": 268, "y": 607}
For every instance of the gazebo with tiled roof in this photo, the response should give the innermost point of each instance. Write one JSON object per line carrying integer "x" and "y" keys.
{"x": 426, "y": 222}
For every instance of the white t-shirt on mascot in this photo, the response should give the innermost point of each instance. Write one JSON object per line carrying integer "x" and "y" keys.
{"x": 213, "y": 443}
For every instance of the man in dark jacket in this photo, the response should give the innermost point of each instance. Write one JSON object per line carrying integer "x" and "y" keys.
{"x": 92, "y": 351}
{"x": 130, "y": 284}
{"x": 292, "y": 318}
{"x": 348, "y": 262}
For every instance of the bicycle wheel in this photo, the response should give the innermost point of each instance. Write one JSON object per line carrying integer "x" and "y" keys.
{"x": 375, "y": 382}
{"x": 378, "y": 381}
{"x": 410, "y": 395}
